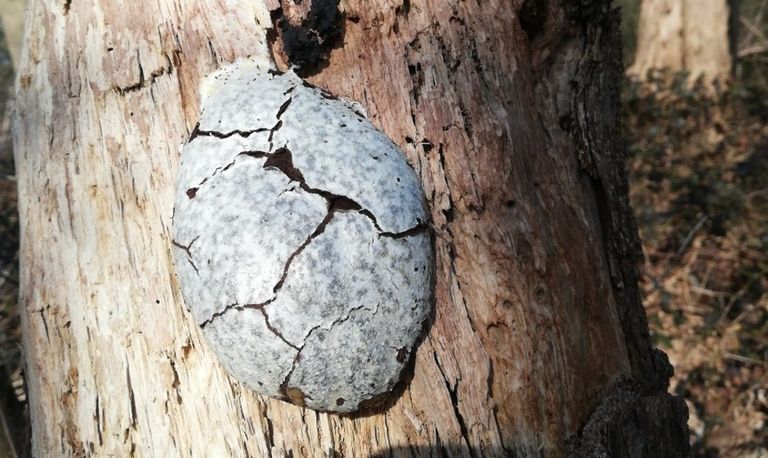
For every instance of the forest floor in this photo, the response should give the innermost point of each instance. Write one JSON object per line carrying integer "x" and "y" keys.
{"x": 699, "y": 186}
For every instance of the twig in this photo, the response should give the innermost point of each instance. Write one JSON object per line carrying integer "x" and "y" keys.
{"x": 760, "y": 10}
{"x": 743, "y": 359}
{"x": 757, "y": 49}
{"x": 688, "y": 238}
{"x": 658, "y": 282}
{"x": 7, "y": 435}
{"x": 8, "y": 405}
{"x": 708, "y": 292}
{"x": 753, "y": 29}
{"x": 728, "y": 307}
{"x": 752, "y": 194}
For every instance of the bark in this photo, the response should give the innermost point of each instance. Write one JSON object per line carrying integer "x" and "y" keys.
{"x": 684, "y": 35}
{"x": 507, "y": 111}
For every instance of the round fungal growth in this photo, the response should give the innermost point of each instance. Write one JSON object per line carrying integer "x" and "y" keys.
{"x": 300, "y": 241}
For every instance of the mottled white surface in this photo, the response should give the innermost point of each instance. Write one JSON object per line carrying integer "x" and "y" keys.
{"x": 300, "y": 240}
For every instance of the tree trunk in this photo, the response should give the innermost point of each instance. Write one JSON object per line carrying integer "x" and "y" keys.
{"x": 684, "y": 35}
{"x": 507, "y": 111}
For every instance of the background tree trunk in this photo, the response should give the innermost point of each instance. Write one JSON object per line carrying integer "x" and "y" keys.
{"x": 507, "y": 110}
{"x": 684, "y": 35}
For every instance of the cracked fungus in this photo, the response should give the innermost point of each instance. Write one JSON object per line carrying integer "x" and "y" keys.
{"x": 300, "y": 241}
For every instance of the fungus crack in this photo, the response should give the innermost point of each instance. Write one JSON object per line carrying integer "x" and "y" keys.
{"x": 335, "y": 205}
{"x": 187, "y": 249}
{"x": 240, "y": 308}
{"x": 257, "y": 154}
{"x": 282, "y": 160}
{"x": 284, "y": 383}
{"x": 287, "y": 379}
{"x": 283, "y": 107}
{"x": 198, "y": 132}
{"x": 274, "y": 331}
{"x": 349, "y": 315}
{"x": 340, "y": 320}
{"x": 192, "y": 192}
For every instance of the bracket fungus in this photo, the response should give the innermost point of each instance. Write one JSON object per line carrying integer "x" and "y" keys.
{"x": 300, "y": 240}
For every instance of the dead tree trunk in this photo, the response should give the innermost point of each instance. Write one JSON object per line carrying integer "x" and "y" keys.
{"x": 507, "y": 110}
{"x": 684, "y": 35}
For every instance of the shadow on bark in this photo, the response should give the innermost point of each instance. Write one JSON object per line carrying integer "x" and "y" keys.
{"x": 626, "y": 423}
{"x": 385, "y": 401}
{"x": 442, "y": 451}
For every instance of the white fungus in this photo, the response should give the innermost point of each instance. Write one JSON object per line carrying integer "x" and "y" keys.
{"x": 300, "y": 240}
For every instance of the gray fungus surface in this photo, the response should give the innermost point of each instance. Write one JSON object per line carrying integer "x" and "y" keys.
{"x": 300, "y": 241}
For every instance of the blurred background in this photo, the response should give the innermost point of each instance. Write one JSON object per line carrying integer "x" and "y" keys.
{"x": 695, "y": 117}
{"x": 696, "y": 130}
{"x": 14, "y": 423}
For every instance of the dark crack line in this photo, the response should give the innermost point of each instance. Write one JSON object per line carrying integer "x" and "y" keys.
{"x": 275, "y": 331}
{"x": 272, "y": 131}
{"x": 191, "y": 263}
{"x": 240, "y": 308}
{"x": 283, "y": 107}
{"x": 279, "y": 122}
{"x": 287, "y": 379}
{"x": 192, "y": 192}
{"x": 453, "y": 392}
{"x": 282, "y": 160}
{"x": 342, "y": 319}
{"x": 187, "y": 249}
{"x": 417, "y": 229}
{"x": 334, "y": 206}
{"x": 197, "y": 132}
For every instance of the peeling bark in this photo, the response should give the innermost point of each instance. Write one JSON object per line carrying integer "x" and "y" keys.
{"x": 507, "y": 111}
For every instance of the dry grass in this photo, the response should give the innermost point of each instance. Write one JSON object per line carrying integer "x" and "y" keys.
{"x": 699, "y": 174}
